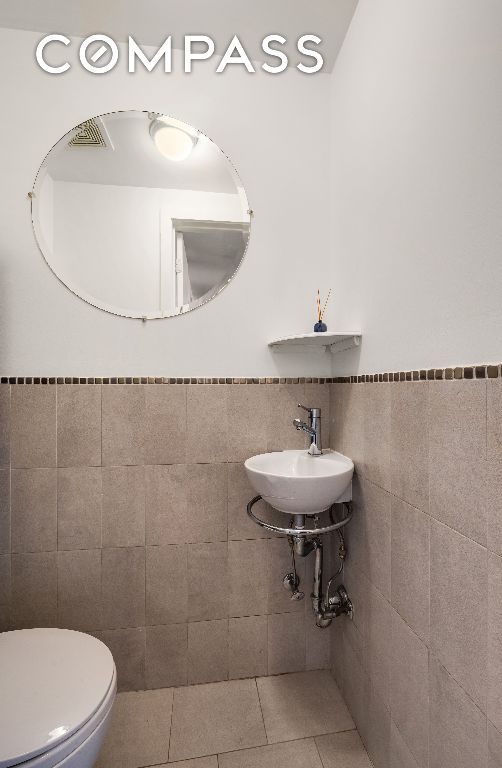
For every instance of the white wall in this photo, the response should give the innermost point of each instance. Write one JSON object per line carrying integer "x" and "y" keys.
{"x": 416, "y": 166}
{"x": 263, "y": 123}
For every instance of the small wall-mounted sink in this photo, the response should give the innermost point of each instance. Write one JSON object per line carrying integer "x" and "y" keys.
{"x": 300, "y": 484}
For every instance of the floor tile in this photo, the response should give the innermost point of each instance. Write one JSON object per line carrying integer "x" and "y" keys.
{"x": 139, "y": 733}
{"x": 291, "y": 754}
{"x": 216, "y": 717}
{"x": 302, "y": 704}
{"x": 343, "y": 750}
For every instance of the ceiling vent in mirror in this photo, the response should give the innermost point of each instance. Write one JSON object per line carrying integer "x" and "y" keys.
{"x": 90, "y": 134}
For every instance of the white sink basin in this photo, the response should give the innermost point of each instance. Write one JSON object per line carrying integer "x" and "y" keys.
{"x": 300, "y": 484}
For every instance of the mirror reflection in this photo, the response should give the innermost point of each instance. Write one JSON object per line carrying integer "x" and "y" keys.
{"x": 140, "y": 214}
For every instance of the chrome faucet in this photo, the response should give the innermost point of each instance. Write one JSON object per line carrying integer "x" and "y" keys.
{"x": 313, "y": 428}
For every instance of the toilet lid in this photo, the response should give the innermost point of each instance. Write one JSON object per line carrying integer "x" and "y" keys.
{"x": 51, "y": 683}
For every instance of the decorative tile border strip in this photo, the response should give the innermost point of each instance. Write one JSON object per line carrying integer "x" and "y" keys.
{"x": 157, "y": 380}
{"x": 432, "y": 374}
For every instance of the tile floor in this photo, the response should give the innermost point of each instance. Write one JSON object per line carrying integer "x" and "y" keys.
{"x": 297, "y": 720}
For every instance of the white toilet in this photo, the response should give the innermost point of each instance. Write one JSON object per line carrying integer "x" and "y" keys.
{"x": 57, "y": 689}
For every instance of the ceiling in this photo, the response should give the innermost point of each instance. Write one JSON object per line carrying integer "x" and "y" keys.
{"x": 151, "y": 21}
{"x": 133, "y": 161}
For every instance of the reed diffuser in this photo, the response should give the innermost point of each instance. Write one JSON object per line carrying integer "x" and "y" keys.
{"x": 320, "y": 326}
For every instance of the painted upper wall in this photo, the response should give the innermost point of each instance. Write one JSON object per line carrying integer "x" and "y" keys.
{"x": 416, "y": 166}
{"x": 274, "y": 129}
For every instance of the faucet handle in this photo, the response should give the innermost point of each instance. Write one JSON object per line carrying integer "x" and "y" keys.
{"x": 314, "y": 413}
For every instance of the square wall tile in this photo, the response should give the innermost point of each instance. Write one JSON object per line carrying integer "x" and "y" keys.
{"x": 128, "y": 651}
{"x": 286, "y": 643}
{"x": 377, "y": 434}
{"x": 370, "y": 532}
{"x": 247, "y": 647}
{"x": 278, "y": 564}
{"x": 207, "y": 423}
{"x": 123, "y": 424}
{"x": 376, "y": 730}
{"x": 400, "y": 755}
{"x": 317, "y": 644}
{"x": 409, "y": 443}
{"x": 126, "y": 745}
{"x": 247, "y": 564}
{"x": 166, "y": 656}
{"x": 494, "y": 419}
{"x": 228, "y": 718}
{"x": 409, "y": 690}
{"x": 79, "y": 507}
{"x": 356, "y": 686}
{"x": 377, "y": 652}
{"x": 123, "y": 576}
{"x": 359, "y": 588}
{"x": 165, "y": 424}
{"x": 493, "y": 504}
{"x": 33, "y": 426}
{"x": 494, "y": 747}
{"x": 494, "y": 710}
{"x": 248, "y": 417}
{"x": 458, "y": 487}
{"x": 186, "y": 503}
{"x": 166, "y": 504}
{"x": 5, "y": 623}
{"x": 457, "y": 418}
{"x": 318, "y": 706}
{"x": 207, "y": 651}
{"x": 410, "y": 566}
{"x": 457, "y": 726}
{"x": 353, "y": 423}
{"x": 34, "y": 510}
{"x": 78, "y": 425}
{"x": 206, "y": 502}
{"x": 34, "y": 590}
{"x": 240, "y": 492}
{"x": 208, "y": 581}
{"x": 283, "y": 408}
{"x": 337, "y": 415}
{"x": 123, "y": 506}
{"x": 4, "y": 426}
{"x": 79, "y": 589}
{"x": 4, "y": 510}
{"x": 459, "y": 609}
{"x": 166, "y": 584}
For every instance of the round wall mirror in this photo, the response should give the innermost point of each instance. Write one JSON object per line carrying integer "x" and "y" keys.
{"x": 140, "y": 214}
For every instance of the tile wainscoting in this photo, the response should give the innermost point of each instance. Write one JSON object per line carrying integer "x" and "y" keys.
{"x": 122, "y": 514}
{"x": 420, "y": 666}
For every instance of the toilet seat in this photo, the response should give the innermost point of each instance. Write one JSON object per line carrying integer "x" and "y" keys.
{"x": 57, "y": 689}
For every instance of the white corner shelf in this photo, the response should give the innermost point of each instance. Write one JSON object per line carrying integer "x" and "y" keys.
{"x": 335, "y": 342}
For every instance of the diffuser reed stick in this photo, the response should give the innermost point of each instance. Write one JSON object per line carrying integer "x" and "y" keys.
{"x": 325, "y": 305}
{"x": 318, "y": 306}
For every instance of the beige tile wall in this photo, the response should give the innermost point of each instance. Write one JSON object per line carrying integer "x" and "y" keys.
{"x": 421, "y": 664}
{"x": 122, "y": 513}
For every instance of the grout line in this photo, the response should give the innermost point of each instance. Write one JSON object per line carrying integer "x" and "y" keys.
{"x": 314, "y": 738}
{"x": 171, "y": 726}
{"x": 261, "y": 709}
